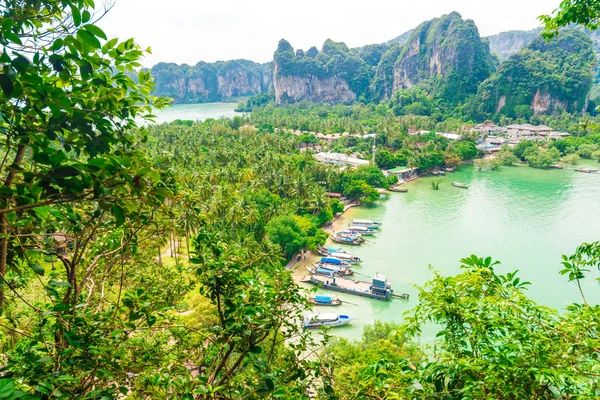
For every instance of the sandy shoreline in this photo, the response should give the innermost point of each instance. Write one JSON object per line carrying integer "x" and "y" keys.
{"x": 299, "y": 268}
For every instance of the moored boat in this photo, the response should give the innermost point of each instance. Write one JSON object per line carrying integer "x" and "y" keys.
{"x": 586, "y": 170}
{"x": 333, "y": 261}
{"x": 362, "y": 230}
{"x": 322, "y": 251}
{"x": 349, "y": 234}
{"x": 353, "y": 241}
{"x": 556, "y": 166}
{"x": 379, "y": 288}
{"x": 438, "y": 173}
{"x": 346, "y": 257}
{"x": 366, "y": 223}
{"x": 326, "y": 320}
{"x": 460, "y": 185}
{"x": 330, "y": 270}
{"x": 449, "y": 169}
{"x": 398, "y": 189}
{"x": 324, "y": 300}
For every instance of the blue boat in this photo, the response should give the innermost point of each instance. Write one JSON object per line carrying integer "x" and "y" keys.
{"x": 325, "y": 301}
{"x": 331, "y": 260}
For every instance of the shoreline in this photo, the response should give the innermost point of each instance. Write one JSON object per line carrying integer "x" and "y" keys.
{"x": 298, "y": 268}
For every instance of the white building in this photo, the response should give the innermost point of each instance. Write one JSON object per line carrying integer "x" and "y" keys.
{"x": 449, "y": 136}
{"x": 339, "y": 159}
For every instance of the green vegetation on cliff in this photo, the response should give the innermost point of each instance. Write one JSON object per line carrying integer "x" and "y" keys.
{"x": 544, "y": 77}
{"x": 334, "y": 59}
{"x": 208, "y": 82}
{"x": 448, "y": 52}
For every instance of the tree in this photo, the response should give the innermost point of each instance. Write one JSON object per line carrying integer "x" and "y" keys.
{"x": 466, "y": 150}
{"x": 482, "y": 317}
{"x": 360, "y": 190}
{"x": 582, "y": 12}
{"x": 587, "y": 149}
{"x": 385, "y": 159}
{"x": 451, "y": 159}
{"x": 507, "y": 156}
{"x": 540, "y": 157}
{"x": 572, "y": 159}
{"x": 285, "y": 232}
{"x": 67, "y": 102}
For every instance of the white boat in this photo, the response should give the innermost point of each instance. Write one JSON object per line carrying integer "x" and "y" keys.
{"x": 363, "y": 230}
{"x": 346, "y": 257}
{"x": 328, "y": 319}
{"x": 367, "y": 223}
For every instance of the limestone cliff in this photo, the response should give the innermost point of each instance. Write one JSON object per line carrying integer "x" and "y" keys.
{"x": 336, "y": 74}
{"x": 206, "y": 82}
{"x": 505, "y": 44}
{"x": 544, "y": 77}
{"x": 448, "y": 52}
{"x": 291, "y": 88}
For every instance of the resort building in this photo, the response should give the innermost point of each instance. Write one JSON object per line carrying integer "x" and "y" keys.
{"x": 403, "y": 173}
{"x": 449, "y": 136}
{"x": 489, "y": 128}
{"x": 340, "y": 159}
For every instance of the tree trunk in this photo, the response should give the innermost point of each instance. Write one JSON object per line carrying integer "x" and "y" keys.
{"x": 4, "y": 222}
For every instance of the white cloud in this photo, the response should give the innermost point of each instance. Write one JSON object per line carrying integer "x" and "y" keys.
{"x": 188, "y": 31}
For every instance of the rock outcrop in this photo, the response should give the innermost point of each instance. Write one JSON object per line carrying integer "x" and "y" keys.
{"x": 542, "y": 78}
{"x": 336, "y": 74}
{"x": 291, "y": 88}
{"x": 448, "y": 51}
{"x": 206, "y": 82}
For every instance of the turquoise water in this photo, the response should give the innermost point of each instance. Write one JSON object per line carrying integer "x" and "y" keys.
{"x": 196, "y": 112}
{"x": 524, "y": 217}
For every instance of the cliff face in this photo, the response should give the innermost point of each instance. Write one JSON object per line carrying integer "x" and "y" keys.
{"x": 206, "y": 82}
{"x": 336, "y": 74}
{"x": 447, "y": 51}
{"x": 508, "y": 43}
{"x": 527, "y": 83}
{"x": 290, "y": 88}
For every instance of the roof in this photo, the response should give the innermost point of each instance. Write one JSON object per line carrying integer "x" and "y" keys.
{"x": 322, "y": 156}
{"x": 401, "y": 169}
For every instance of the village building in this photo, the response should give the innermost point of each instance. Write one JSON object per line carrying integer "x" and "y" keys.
{"x": 403, "y": 173}
{"x": 449, "y": 136}
{"x": 339, "y": 159}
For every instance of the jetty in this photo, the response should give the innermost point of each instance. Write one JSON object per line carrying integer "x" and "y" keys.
{"x": 379, "y": 288}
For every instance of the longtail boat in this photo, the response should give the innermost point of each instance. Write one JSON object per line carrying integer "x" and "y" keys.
{"x": 324, "y": 300}
{"x": 366, "y": 223}
{"x": 460, "y": 185}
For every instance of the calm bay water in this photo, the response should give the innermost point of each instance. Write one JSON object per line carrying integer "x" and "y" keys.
{"x": 196, "y": 112}
{"x": 524, "y": 217}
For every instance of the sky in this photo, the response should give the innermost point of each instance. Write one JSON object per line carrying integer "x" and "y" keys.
{"x": 188, "y": 31}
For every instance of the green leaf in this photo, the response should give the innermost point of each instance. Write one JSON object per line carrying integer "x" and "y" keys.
{"x": 88, "y": 39}
{"x": 7, "y": 387}
{"x": 59, "y": 284}
{"x": 256, "y": 350}
{"x": 94, "y": 30}
{"x": 118, "y": 213}
{"x": 7, "y": 85}
{"x": 85, "y": 16}
{"x": 76, "y": 15}
{"x": 37, "y": 268}
{"x": 54, "y": 109}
